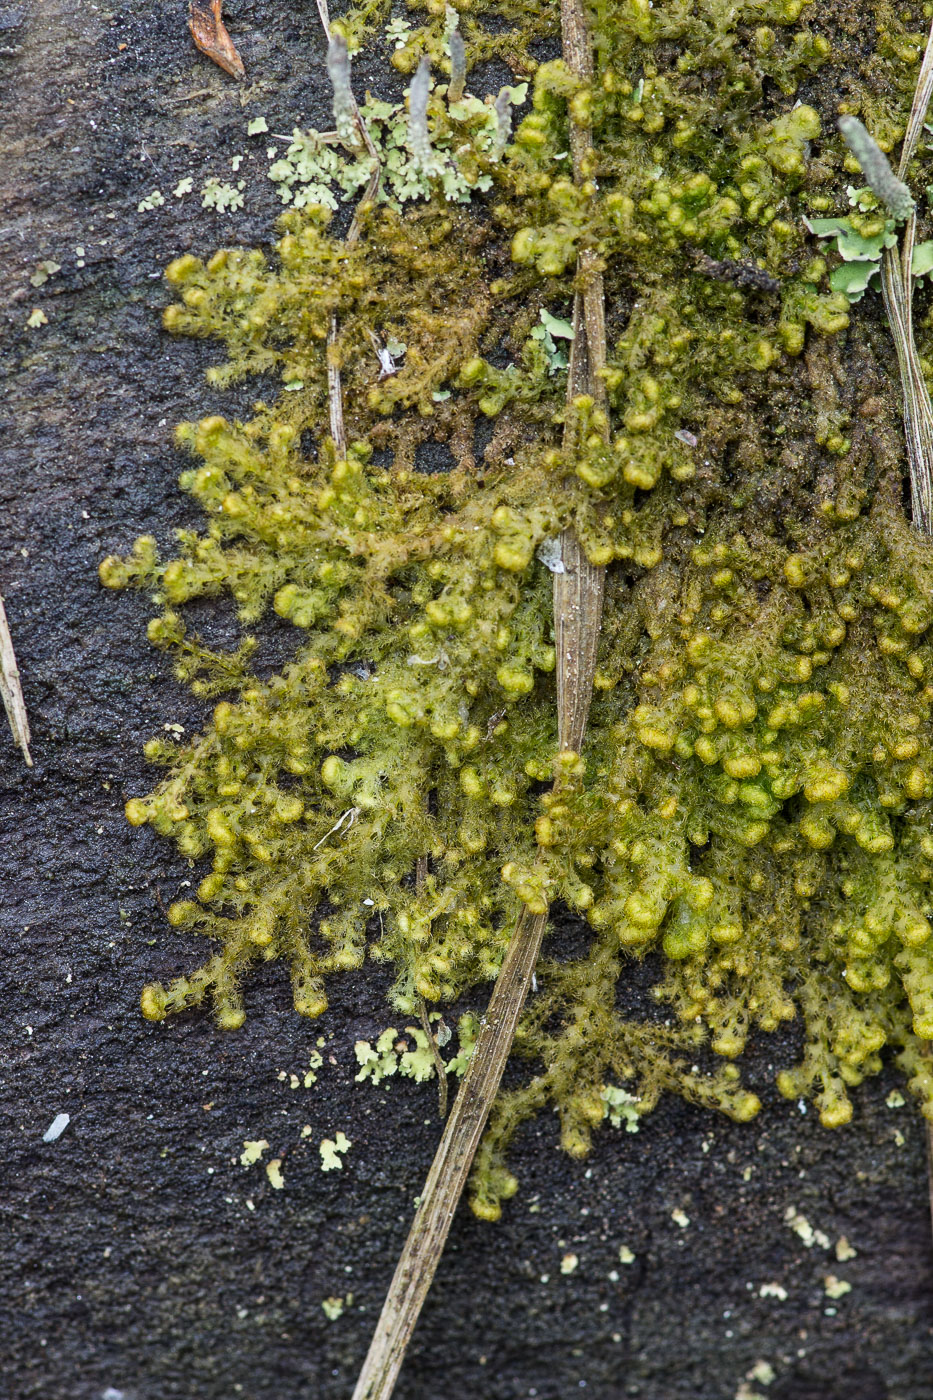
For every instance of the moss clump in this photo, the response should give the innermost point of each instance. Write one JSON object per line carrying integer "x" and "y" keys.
{"x": 754, "y": 796}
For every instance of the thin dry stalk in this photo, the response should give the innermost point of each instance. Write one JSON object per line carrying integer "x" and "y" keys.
{"x": 11, "y": 691}
{"x": 421, "y": 874}
{"x": 450, "y": 1168}
{"x": 578, "y": 598}
{"x": 334, "y": 387}
{"x": 897, "y": 289}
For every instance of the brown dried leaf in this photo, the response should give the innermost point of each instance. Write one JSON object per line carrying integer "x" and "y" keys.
{"x": 210, "y": 35}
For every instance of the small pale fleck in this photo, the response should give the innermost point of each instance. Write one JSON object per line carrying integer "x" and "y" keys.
{"x": 274, "y": 1173}
{"x": 680, "y": 1218}
{"x": 844, "y": 1250}
{"x": 306, "y": 1130}
{"x": 57, "y": 1126}
{"x": 257, "y": 126}
{"x": 804, "y": 1230}
{"x": 36, "y": 319}
{"x": 626, "y": 1255}
{"x": 836, "y": 1287}
{"x": 895, "y": 1099}
{"x": 333, "y": 1308}
{"x": 772, "y": 1290}
{"x": 568, "y": 1263}
{"x": 183, "y": 187}
{"x": 550, "y": 555}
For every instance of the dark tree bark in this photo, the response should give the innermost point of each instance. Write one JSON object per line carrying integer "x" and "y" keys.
{"x": 140, "y": 1256}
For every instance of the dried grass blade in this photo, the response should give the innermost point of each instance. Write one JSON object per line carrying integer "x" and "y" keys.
{"x": 897, "y": 287}
{"x": 11, "y": 691}
{"x": 444, "y": 1186}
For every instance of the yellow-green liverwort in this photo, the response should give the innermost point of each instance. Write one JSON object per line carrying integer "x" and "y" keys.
{"x": 755, "y": 797}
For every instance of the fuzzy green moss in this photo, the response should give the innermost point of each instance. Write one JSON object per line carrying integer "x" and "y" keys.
{"x": 756, "y": 791}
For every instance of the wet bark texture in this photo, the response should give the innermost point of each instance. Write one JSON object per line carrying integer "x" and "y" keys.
{"x": 141, "y": 1259}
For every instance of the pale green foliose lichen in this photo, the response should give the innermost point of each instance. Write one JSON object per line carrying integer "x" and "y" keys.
{"x": 754, "y": 802}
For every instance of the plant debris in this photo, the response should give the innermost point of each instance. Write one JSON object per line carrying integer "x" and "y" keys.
{"x": 10, "y": 689}
{"x": 210, "y": 35}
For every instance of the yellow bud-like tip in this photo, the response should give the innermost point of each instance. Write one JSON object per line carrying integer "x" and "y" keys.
{"x": 152, "y": 1002}
{"x": 230, "y": 1018}
{"x": 137, "y": 813}
{"x": 484, "y": 1209}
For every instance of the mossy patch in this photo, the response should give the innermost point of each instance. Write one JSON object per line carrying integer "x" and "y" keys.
{"x": 754, "y": 796}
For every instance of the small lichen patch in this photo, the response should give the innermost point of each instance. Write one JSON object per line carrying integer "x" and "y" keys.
{"x": 43, "y": 272}
{"x": 332, "y": 1150}
{"x": 225, "y": 198}
{"x": 626, "y": 1255}
{"x": 804, "y": 1230}
{"x": 844, "y": 1251}
{"x": 315, "y": 1060}
{"x": 835, "y": 1287}
{"x": 680, "y": 1217}
{"x": 410, "y": 1055}
{"x": 621, "y": 1107}
{"x": 252, "y": 1151}
{"x": 274, "y": 1173}
{"x": 773, "y": 1290}
{"x": 569, "y": 1263}
{"x": 335, "y": 1307}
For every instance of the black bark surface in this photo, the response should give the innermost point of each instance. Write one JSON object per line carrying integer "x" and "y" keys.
{"x": 141, "y": 1260}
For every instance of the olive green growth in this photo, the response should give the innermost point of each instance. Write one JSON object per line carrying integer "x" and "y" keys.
{"x": 754, "y": 804}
